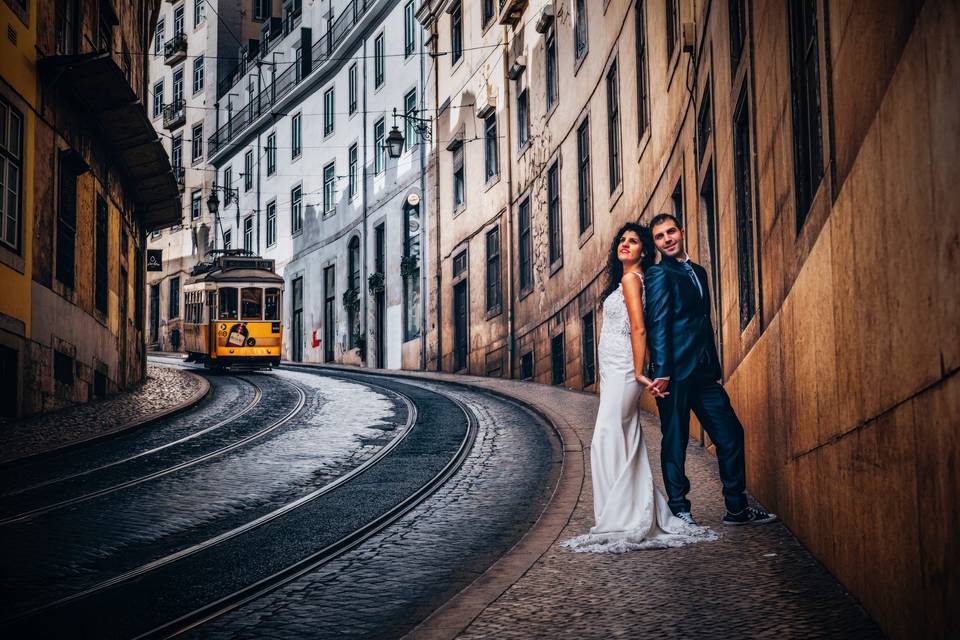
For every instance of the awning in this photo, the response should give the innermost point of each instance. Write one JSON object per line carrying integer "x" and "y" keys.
{"x": 98, "y": 88}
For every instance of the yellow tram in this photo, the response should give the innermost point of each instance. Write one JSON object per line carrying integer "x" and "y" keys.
{"x": 233, "y": 312}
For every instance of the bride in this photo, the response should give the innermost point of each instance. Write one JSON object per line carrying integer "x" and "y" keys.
{"x": 631, "y": 513}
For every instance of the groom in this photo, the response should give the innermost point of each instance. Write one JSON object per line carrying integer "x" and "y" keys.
{"x": 685, "y": 364}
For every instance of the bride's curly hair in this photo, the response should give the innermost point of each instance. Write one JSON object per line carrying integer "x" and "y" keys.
{"x": 614, "y": 268}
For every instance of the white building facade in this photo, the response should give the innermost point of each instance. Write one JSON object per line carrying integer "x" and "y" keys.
{"x": 304, "y": 176}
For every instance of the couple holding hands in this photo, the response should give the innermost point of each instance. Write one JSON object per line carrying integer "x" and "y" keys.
{"x": 658, "y": 312}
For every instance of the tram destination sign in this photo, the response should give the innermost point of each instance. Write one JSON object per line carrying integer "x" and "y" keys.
{"x": 154, "y": 259}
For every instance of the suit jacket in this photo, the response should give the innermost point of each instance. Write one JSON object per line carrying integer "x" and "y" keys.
{"x": 678, "y": 322}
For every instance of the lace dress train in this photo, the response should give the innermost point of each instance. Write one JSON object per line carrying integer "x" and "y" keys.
{"x": 630, "y": 512}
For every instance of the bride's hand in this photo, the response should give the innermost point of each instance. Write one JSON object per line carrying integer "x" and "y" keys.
{"x": 649, "y": 384}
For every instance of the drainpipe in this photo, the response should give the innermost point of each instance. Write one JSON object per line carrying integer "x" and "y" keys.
{"x": 436, "y": 208}
{"x": 511, "y": 343}
{"x": 423, "y": 221}
{"x": 362, "y": 171}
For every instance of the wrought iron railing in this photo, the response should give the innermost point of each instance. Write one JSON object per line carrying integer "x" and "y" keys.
{"x": 282, "y": 84}
{"x": 174, "y": 114}
{"x": 175, "y": 45}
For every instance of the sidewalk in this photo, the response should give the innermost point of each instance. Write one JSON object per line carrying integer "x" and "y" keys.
{"x": 166, "y": 391}
{"x": 753, "y": 582}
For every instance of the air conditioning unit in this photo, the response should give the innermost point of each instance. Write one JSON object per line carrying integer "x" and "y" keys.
{"x": 546, "y": 19}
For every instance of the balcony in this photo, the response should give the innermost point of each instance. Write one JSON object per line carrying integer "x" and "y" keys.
{"x": 511, "y": 11}
{"x": 174, "y": 115}
{"x": 175, "y": 49}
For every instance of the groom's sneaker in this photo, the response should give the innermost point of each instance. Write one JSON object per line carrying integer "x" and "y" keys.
{"x": 750, "y": 515}
{"x": 687, "y": 517}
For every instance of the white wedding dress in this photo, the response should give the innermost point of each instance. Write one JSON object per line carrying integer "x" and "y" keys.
{"x": 630, "y": 511}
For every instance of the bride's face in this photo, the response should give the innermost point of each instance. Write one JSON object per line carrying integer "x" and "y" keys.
{"x": 629, "y": 249}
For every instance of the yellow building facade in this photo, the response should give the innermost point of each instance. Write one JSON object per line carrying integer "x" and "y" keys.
{"x": 84, "y": 179}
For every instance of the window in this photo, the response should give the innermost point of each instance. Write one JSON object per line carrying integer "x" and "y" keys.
{"x": 297, "y": 65}
{"x": 643, "y": 116}
{"x": 329, "y": 311}
{"x": 673, "y": 31}
{"x": 352, "y": 82}
{"x": 805, "y": 90}
{"x": 743, "y": 191}
{"x": 178, "y": 20}
{"x": 704, "y": 123}
{"x": 62, "y": 367}
{"x": 66, "y": 217}
{"x": 580, "y": 30}
{"x": 738, "y": 29}
{"x": 196, "y": 203}
{"x": 197, "y": 75}
{"x": 158, "y": 99}
{"x": 227, "y": 185}
{"x": 523, "y": 118}
{"x": 271, "y": 306}
{"x": 584, "y": 199}
{"x": 158, "y": 37}
{"x": 272, "y": 153}
{"x": 248, "y": 170}
{"x": 410, "y": 126}
{"x": 491, "y": 160}
{"x": 296, "y": 145}
{"x": 228, "y": 239}
{"x": 173, "y": 306}
{"x": 459, "y": 264}
{"x": 557, "y": 360}
{"x": 353, "y": 170}
{"x": 456, "y": 33}
{"x": 488, "y": 11}
{"x": 409, "y": 29}
{"x": 261, "y": 9}
{"x": 176, "y": 152}
{"x": 379, "y": 160}
{"x": 248, "y": 233}
{"x": 271, "y": 223}
{"x": 458, "y": 178}
{"x": 550, "y": 55}
{"x": 296, "y": 209}
{"x": 554, "y": 238}
{"x": 613, "y": 127}
{"x": 329, "y": 189}
{"x": 378, "y": 61}
{"x": 227, "y": 309}
{"x": 526, "y": 366}
{"x": 198, "y": 11}
{"x": 411, "y": 283}
{"x": 251, "y": 303}
{"x": 588, "y": 358}
{"x": 494, "y": 288}
{"x": 11, "y": 169}
{"x": 178, "y": 87}
{"x": 67, "y": 26}
{"x": 196, "y": 142}
{"x": 328, "y": 111}
{"x": 677, "y": 198}
{"x": 101, "y": 263}
{"x": 526, "y": 246}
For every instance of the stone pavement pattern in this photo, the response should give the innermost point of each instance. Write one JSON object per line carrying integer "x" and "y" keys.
{"x": 754, "y": 582}
{"x": 165, "y": 388}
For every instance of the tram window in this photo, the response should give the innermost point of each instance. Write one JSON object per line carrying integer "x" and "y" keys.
{"x": 272, "y": 307}
{"x": 251, "y": 303}
{"x": 228, "y": 303}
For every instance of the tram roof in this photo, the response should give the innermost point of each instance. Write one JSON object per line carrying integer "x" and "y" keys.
{"x": 249, "y": 276}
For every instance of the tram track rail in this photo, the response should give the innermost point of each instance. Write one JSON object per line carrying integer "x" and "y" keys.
{"x": 237, "y": 598}
{"x": 273, "y": 426}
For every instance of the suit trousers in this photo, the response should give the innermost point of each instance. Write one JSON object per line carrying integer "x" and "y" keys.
{"x": 710, "y": 403}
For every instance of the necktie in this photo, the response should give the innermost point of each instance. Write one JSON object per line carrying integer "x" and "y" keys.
{"x": 693, "y": 276}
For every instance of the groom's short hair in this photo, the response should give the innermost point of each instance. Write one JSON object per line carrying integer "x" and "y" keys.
{"x": 663, "y": 217}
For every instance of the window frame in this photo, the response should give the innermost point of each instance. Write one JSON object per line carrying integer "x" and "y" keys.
{"x": 11, "y": 160}
{"x": 494, "y": 272}
{"x": 271, "y": 219}
{"x": 584, "y": 177}
{"x": 614, "y": 134}
{"x": 271, "y": 153}
{"x": 296, "y": 135}
{"x": 296, "y": 209}
{"x": 329, "y": 188}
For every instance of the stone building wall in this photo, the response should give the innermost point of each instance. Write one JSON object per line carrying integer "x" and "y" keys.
{"x": 843, "y": 366}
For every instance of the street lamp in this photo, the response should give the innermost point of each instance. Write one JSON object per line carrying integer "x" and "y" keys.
{"x": 213, "y": 205}
{"x": 395, "y": 140}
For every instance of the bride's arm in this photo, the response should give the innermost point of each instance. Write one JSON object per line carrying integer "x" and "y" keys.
{"x": 633, "y": 298}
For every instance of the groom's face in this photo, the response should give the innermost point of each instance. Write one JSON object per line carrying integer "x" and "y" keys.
{"x": 668, "y": 238}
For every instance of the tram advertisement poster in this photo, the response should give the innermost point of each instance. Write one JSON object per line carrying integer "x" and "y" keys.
{"x": 238, "y": 335}
{"x": 154, "y": 259}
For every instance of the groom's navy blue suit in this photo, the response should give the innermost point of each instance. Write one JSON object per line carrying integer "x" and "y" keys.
{"x": 682, "y": 349}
